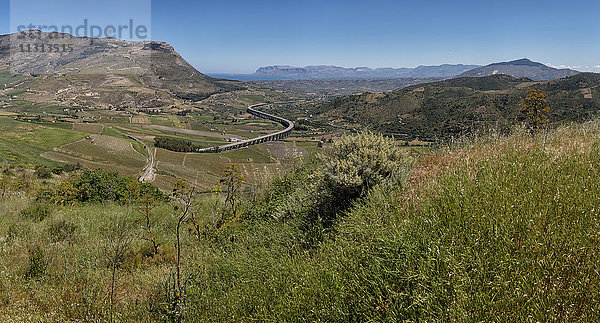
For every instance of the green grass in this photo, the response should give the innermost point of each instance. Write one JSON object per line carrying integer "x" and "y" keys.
{"x": 22, "y": 143}
{"x": 257, "y": 153}
{"x": 75, "y": 284}
{"x": 510, "y": 235}
{"x": 161, "y": 122}
{"x": 108, "y": 150}
{"x": 252, "y": 98}
{"x": 488, "y": 229}
{"x": 109, "y": 131}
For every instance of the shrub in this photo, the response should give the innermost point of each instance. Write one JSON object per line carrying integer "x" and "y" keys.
{"x": 37, "y": 212}
{"x": 99, "y": 186}
{"x": 37, "y": 262}
{"x": 66, "y": 168}
{"x": 43, "y": 172}
{"x": 358, "y": 163}
{"x": 341, "y": 176}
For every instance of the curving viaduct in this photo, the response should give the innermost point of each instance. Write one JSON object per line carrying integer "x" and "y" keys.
{"x": 258, "y": 140}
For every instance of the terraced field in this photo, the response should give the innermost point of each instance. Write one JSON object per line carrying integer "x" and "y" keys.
{"x": 23, "y": 142}
{"x": 106, "y": 149}
{"x": 205, "y": 170}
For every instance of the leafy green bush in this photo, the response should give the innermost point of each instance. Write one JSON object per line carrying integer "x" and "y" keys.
{"x": 43, "y": 172}
{"x": 99, "y": 186}
{"x": 340, "y": 177}
{"x": 66, "y": 168}
{"x": 37, "y": 262}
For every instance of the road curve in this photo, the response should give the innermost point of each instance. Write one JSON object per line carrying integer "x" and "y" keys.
{"x": 289, "y": 126}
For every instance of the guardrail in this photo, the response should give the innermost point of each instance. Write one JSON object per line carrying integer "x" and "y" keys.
{"x": 289, "y": 126}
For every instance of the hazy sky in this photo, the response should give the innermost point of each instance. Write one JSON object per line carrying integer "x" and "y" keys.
{"x": 240, "y": 36}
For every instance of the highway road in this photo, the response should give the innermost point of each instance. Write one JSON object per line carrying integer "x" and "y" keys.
{"x": 289, "y": 126}
{"x": 148, "y": 172}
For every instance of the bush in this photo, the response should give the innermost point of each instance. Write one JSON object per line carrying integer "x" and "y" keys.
{"x": 37, "y": 212}
{"x": 358, "y": 163}
{"x": 43, "y": 173}
{"x": 37, "y": 262}
{"x": 99, "y": 186}
{"x": 341, "y": 176}
{"x": 66, "y": 168}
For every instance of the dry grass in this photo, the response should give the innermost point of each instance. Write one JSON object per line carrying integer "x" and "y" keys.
{"x": 89, "y": 127}
{"x": 106, "y": 149}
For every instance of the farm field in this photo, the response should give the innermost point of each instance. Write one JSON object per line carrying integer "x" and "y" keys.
{"x": 97, "y": 138}
{"x": 23, "y": 143}
{"x": 89, "y": 127}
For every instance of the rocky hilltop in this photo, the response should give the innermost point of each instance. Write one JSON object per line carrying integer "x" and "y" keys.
{"x": 105, "y": 72}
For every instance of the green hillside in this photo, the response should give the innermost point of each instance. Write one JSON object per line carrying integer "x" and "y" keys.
{"x": 451, "y": 108}
{"x": 501, "y": 228}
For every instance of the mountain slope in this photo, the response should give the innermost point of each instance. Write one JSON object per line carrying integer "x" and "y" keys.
{"x": 521, "y": 68}
{"x": 453, "y": 107}
{"x": 104, "y": 72}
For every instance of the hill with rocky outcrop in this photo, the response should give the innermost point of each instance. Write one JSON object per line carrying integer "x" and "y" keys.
{"x": 102, "y": 72}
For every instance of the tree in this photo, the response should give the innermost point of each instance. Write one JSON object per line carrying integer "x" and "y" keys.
{"x": 535, "y": 107}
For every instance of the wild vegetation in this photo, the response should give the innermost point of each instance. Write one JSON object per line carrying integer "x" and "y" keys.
{"x": 501, "y": 227}
{"x": 175, "y": 144}
{"x": 449, "y": 109}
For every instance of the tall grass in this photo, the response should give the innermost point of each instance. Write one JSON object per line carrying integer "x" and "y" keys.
{"x": 489, "y": 229}
{"x": 502, "y": 229}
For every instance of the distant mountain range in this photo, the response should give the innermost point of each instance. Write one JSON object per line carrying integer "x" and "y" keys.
{"x": 518, "y": 68}
{"x": 521, "y": 68}
{"x": 102, "y": 72}
{"x": 327, "y": 72}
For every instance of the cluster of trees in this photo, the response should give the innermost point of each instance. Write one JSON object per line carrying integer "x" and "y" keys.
{"x": 44, "y": 172}
{"x": 174, "y": 144}
{"x": 98, "y": 186}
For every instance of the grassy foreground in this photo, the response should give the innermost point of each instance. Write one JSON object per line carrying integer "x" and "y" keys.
{"x": 500, "y": 229}
{"x": 489, "y": 229}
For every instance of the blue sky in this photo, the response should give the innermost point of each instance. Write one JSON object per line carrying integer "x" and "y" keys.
{"x": 240, "y": 36}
